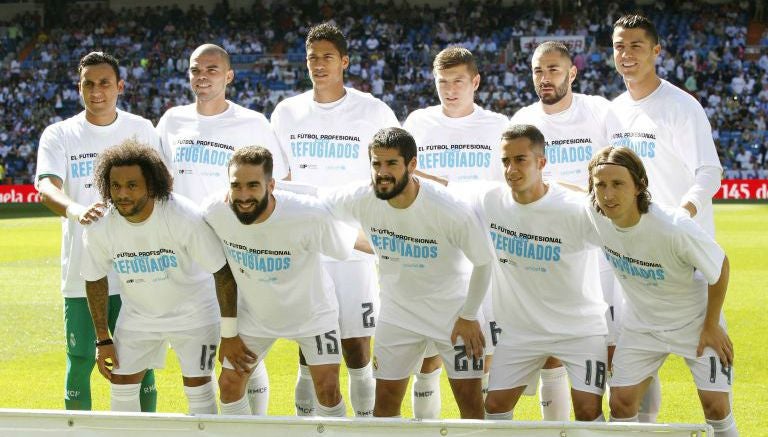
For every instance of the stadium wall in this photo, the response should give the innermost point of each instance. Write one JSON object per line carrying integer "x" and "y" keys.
{"x": 35, "y": 423}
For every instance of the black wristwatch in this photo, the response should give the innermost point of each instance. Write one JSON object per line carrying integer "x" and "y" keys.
{"x": 105, "y": 342}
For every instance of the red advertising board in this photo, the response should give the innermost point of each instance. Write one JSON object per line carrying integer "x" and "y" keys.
{"x": 731, "y": 189}
{"x": 18, "y": 194}
{"x": 743, "y": 189}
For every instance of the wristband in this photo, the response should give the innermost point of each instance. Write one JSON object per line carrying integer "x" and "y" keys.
{"x": 74, "y": 210}
{"x": 105, "y": 342}
{"x": 228, "y": 327}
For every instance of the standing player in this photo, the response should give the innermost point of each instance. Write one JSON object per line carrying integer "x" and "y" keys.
{"x": 675, "y": 277}
{"x": 663, "y": 125}
{"x": 434, "y": 270}
{"x": 324, "y": 133}
{"x": 163, "y": 253}
{"x": 274, "y": 240}
{"x": 199, "y": 139}
{"x": 670, "y": 132}
{"x": 546, "y": 290}
{"x": 574, "y": 127}
{"x": 65, "y": 161}
{"x": 458, "y": 141}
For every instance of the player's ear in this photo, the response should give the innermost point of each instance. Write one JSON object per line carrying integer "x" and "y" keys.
{"x": 476, "y": 82}
{"x": 120, "y": 86}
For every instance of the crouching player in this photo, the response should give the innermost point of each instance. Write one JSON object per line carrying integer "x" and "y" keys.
{"x": 674, "y": 277}
{"x": 274, "y": 240}
{"x": 163, "y": 253}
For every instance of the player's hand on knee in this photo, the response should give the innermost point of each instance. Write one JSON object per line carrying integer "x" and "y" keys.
{"x": 470, "y": 332}
{"x": 92, "y": 214}
{"x": 716, "y": 338}
{"x": 237, "y": 353}
{"x": 106, "y": 359}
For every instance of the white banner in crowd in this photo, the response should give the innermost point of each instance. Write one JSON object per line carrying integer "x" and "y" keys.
{"x": 575, "y": 43}
{"x": 34, "y": 423}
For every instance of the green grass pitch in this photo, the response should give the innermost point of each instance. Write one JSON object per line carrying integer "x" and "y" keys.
{"x": 32, "y": 351}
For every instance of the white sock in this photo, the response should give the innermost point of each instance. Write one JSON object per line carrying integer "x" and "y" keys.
{"x": 499, "y": 416}
{"x": 600, "y": 418}
{"x": 555, "y": 395}
{"x": 628, "y": 419}
{"x": 240, "y": 407}
{"x": 651, "y": 403}
{"x": 202, "y": 399}
{"x": 125, "y": 397}
{"x": 362, "y": 390}
{"x": 258, "y": 390}
{"x": 724, "y": 427}
{"x": 305, "y": 393}
{"x": 484, "y": 385}
{"x": 340, "y": 410}
{"x": 425, "y": 397}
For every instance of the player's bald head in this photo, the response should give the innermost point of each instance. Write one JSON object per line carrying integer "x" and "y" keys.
{"x": 211, "y": 49}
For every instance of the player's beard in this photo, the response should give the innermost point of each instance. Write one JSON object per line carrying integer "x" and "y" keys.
{"x": 138, "y": 206}
{"x": 247, "y": 218}
{"x": 397, "y": 188}
{"x": 560, "y": 92}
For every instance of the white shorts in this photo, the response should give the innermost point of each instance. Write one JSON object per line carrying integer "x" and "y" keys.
{"x": 397, "y": 353}
{"x": 318, "y": 350}
{"x": 195, "y": 348}
{"x": 357, "y": 292}
{"x": 514, "y": 365}
{"x": 640, "y": 355}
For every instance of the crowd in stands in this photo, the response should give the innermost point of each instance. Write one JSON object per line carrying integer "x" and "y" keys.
{"x": 391, "y": 50}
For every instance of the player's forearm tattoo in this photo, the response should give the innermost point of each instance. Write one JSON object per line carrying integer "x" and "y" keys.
{"x": 226, "y": 291}
{"x": 98, "y": 294}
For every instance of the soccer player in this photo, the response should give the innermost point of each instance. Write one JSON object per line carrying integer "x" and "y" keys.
{"x": 163, "y": 253}
{"x": 674, "y": 276}
{"x": 573, "y": 125}
{"x": 324, "y": 133}
{"x": 547, "y": 298}
{"x": 434, "y": 270}
{"x": 198, "y": 140}
{"x": 274, "y": 241}
{"x": 65, "y": 162}
{"x": 663, "y": 124}
{"x": 457, "y": 140}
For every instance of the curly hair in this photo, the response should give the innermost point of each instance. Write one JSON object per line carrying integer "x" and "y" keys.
{"x": 624, "y": 157}
{"x": 133, "y": 152}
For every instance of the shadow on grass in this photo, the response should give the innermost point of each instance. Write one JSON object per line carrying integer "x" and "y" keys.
{"x": 23, "y": 210}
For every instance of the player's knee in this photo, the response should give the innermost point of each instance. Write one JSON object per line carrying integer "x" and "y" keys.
{"x": 327, "y": 390}
{"x": 231, "y": 385}
{"x": 495, "y": 403}
{"x": 587, "y": 412}
{"x": 716, "y": 409}
{"x": 623, "y": 404}
{"x": 356, "y": 351}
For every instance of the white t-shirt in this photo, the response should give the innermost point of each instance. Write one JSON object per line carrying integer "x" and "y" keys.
{"x": 282, "y": 289}
{"x": 671, "y": 133}
{"x": 68, "y": 150}
{"x": 198, "y": 147}
{"x": 546, "y": 285}
{"x": 458, "y": 149}
{"x": 663, "y": 263}
{"x": 422, "y": 252}
{"x": 329, "y": 146}
{"x": 164, "y": 265}
{"x": 572, "y": 136}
